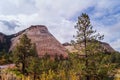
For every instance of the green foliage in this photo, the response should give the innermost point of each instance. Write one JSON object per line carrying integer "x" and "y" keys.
{"x": 95, "y": 64}
{"x": 4, "y": 58}
{"x": 23, "y": 54}
{"x": 69, "y": 69}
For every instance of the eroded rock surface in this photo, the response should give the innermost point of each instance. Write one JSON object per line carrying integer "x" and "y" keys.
{"x": 45, "y": 42}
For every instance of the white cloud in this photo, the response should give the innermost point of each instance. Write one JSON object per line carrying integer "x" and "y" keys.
{"x": 65, "y": 8}
{"x": 55, "y": 14}
{"x": 5, "y": 29}
{"x": 9, "y": 7}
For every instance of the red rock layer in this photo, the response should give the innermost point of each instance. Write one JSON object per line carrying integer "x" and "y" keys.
{"x": 44, "y": 40}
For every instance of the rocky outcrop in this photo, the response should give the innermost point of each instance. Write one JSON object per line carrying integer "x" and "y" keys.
{"x": 45, "y": 42}
{"x": 70, "y": 48}
{"x": 105, "y": 47}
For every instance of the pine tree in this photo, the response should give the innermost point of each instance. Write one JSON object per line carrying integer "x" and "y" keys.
{"x": 87, "y": 39}
{"x": 23, "y": 53}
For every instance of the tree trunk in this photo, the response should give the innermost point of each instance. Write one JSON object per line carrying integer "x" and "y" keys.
{"x": 87, "y": 77}
{"x": 86, "y": 55}
{"x": 23, "y": 68}
{"x": 34, "y": 76}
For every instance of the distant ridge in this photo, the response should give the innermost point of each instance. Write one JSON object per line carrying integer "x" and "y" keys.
{"x": 105, "y": 46}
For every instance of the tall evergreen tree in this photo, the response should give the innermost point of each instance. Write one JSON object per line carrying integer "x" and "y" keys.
{"x": 23, "y": 53}
{"x": 87, "y": 39}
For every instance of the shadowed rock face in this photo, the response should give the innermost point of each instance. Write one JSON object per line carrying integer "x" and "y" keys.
{"x": 2, "y": 37}
{"x": 4, "y": 42}
{"x": 45, "y": 42}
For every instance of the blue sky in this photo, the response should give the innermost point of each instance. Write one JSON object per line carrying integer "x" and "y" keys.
{"x": 60, "y": 16}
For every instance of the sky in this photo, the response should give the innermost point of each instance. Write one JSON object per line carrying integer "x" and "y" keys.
{"x": 60, "y": 17}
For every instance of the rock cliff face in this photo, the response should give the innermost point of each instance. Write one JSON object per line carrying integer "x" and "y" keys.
{"x": 105, "y": 46}
{"x": 2, "y": 37}
{"x": 45, "y": 42}
{"x": 4, "y": 42}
